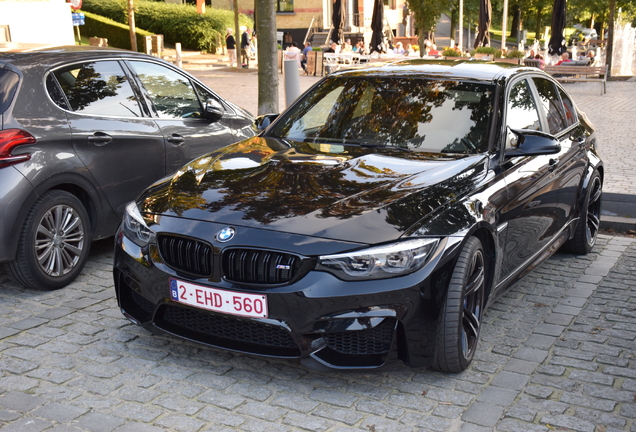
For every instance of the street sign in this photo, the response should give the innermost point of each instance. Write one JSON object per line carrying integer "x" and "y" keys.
{"x": 78, "y": 18}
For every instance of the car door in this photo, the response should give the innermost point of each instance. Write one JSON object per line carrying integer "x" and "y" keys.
{"x": 529, "y": 220}
{"x": 112, "y": 135}
{"x": 562, "y": 123}
{"x": 179, "y": 104}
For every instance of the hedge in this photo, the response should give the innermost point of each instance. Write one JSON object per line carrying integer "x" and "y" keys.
{"x": 176, "y": 22}
{"x": 118, "y": 34}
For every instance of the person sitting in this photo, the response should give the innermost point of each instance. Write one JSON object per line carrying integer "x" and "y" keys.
{"x": 565, "y": 58}
{"x": 333, "y": 48}
{"x": 541, "y": 62}
{"x": 293, "y": 53}
{"x": 303, "y": 60}
{"x": 433, "y": 51}
{"x": 531, "y": 55}
{"x": 592, "y": 61}
{"x": 399, "y": 49}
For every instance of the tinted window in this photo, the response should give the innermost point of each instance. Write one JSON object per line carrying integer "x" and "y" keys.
{"x": 171, "y": 93}
{"x": 8, "y": 86}
{"x": 551, "y": 102}
{"x": 98, "y": 88}
{"x": 570, "y": 112}
{"x": 56, "y": 92}
{"x": 522, "y": 111}
{"x": 423, "y": 115}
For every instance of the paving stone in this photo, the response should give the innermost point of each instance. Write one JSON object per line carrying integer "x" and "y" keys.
{"x": 498, "y": 396}
{"x": 262, "y": 411}
{"x": 216, "y": 415}
{"x": 180, "y": 423}
{"x": 510, "y": 380}
{"x": 483, "y": 414}
{"x": 21, "y": 402}
{"x": 425, "y": 421}
{"x": 61, "y": 413}
{"x": 587, "y": 401}
{"x": 296, "y": 403}
{"x": 333, "y": 397}
{"x": 540, "y": 341}
{"x": 380, "y": 409}
{"x": 98, "y": 422}
{"x": 27, "y": 424}
{"x": 220, "y": 399}
{"x": 6, "y": 332}
{"x": 137, "y": 427}
{"x": 569, "y": 422}
{"x": 307, "y": 422}
{"x": 137, "y": 412}
{"x": 531, "y": 354}
{"x": 55, "y": 313}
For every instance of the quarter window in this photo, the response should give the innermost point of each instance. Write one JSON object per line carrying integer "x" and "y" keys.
{"x": 171, "y": 93}
{"x": 97, "y": 88}
{"x": 551, "y": 102}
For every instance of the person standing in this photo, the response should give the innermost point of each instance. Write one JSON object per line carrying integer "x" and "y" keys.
{"x": 230, "y": 43}
{"x": 303, "y": 61}
{"x": 245, "y": 48}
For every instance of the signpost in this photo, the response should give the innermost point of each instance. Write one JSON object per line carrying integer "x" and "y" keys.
{"x": 78, "y": 20}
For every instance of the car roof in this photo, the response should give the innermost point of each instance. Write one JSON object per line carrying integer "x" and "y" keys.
{"x": 469, "y": 69}
{"x": 48, "y": 57}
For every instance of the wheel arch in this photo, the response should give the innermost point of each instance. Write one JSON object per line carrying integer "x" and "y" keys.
{"x": 486, "y": 236}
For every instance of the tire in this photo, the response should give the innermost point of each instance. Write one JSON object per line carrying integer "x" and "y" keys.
{"x": 46, "y": 260}
{"x": 589, "y": 221}
{"x": 462, "y": 311}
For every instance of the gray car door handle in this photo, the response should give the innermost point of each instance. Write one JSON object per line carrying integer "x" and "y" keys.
{"x": 176, "y": 139}
{"x": 100, "y": 139}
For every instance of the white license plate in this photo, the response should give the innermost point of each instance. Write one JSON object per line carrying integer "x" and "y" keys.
{"x": 217, "y": 300}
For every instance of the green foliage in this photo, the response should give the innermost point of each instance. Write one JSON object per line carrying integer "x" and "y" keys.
{"x": 427, "y": 13}
{"x": 176, "y": 22}
{"x": 515, "y": 54}
{"x": 118, "y": 34}
{"x": 450, "y": 52}
{"x": 489, "y": 50}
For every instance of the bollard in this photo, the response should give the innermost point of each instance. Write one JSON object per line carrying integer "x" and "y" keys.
{"x": 292, "y": 81}
{"x": 177, "y": 47}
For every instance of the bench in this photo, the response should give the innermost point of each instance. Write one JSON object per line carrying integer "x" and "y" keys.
{"x": 580, "y": 73}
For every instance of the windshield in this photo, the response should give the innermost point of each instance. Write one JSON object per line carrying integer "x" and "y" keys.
{"x": 399, "y": 112}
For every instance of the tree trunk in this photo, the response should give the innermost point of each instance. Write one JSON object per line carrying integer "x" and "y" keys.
{"x": 131, "y": 24}
{"x": 516, "y": 22}
{"x": 537, "y": 27}
{"x": 237, "y": 34}
{"x": 610, "y": 38}
{"x": 267, "y": 56}
{"x": 453, "y": 25}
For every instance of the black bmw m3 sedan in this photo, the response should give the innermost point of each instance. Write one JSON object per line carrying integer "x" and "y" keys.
{"x": 375, "y": 219}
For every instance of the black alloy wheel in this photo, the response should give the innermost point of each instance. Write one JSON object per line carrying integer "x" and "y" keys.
{"x": 460, "y": 319}
{"x": 589, "y": 221}
{"x": 54, "y": 242}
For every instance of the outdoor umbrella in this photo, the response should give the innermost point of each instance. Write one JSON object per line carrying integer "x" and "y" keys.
{"x": 338, "y": 20}
{"x": 485, "y": 17}
{"x": 556, "y": 45}
{"x": 377, "y": 25}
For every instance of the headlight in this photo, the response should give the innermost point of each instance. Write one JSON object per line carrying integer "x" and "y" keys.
{"x": 379, "y": 262}
{"x": 135, "y": 228}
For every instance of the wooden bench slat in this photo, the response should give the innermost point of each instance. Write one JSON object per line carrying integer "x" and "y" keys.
{"x": 580, "y": 73}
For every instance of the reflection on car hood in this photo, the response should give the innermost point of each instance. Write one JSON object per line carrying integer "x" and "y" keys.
{"x": 345, "y": 192}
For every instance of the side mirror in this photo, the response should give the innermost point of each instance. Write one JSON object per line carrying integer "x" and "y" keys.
{"x": 263, "y": 121}
{"x": 214, "y": 110}
{"x": 533, "y": 143}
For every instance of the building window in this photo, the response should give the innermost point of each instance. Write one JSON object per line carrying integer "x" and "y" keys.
{"x": 392, "y": 4}
{"x": 284, "y": 5}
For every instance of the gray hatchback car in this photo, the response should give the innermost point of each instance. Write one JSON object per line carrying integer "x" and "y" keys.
{"x": 82, "y": 133}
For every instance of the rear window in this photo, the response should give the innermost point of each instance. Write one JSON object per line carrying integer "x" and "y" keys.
{"x": 8, "y": 86}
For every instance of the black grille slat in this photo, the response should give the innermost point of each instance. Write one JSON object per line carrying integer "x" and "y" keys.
{"x": 259, "y": 266}
{"x": 186, "y": 255}
{"x": 228, "y": 327}
{"x": 376, "y": 340}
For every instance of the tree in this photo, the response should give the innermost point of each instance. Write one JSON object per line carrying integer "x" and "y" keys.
{"x": 427, "y": 13}
{"x": 267, "y": 56}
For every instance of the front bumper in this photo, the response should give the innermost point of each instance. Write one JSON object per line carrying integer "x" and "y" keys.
{"x": 319, "y": 319}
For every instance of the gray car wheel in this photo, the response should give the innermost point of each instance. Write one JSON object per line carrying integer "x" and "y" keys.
{"x": 462, "y": 311}
{"x": 54, "y": 242}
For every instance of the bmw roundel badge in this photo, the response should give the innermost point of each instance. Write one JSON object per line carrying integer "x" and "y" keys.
{"x": 226, "y": 234}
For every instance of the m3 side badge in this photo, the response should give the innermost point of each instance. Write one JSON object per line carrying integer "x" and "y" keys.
{"x": 225, "y": 235}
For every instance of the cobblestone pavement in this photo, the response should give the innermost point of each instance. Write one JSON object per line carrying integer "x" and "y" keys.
{"x": 556, "y": 353}
{"x": 613, "y": 114}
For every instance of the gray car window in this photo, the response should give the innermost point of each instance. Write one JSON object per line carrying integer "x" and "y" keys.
{"x": 98, "y": 88}
{"x": 170, "y": 92}
{"x": 570, "y": 112}
{"x": 551, "y": 103}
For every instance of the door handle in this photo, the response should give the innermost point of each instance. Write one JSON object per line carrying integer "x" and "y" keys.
{"x": 176, "y": 139}
{"x": 100, "y": 139}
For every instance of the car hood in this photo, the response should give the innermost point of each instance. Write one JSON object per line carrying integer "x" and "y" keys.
{"x": 345, "y": 192}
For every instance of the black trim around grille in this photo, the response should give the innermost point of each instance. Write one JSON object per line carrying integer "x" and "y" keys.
{"x": 229, "y": 332}
{"x": 186, "y": 254}
{"x": 376, "y": 340}
{"x": 256, "y": 266}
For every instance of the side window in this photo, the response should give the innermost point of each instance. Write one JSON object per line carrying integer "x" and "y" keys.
{"x": 170, "y": 92}
{"x": 99, "y": 87}
{"x": 549, "y": 98}
{"x": 521, "y": 112}
{"x": 570, "y": 112}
